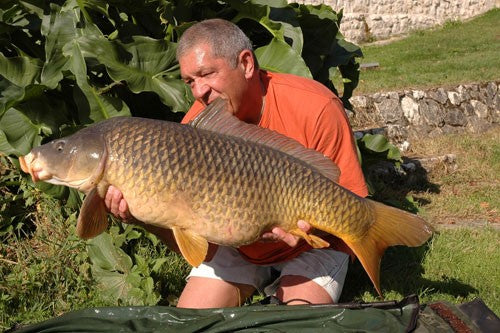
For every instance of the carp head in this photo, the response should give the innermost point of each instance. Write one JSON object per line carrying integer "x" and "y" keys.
{"x": 76, "y": 161}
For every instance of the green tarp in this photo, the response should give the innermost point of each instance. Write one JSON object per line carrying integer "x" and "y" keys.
{"x": 405, "y": 316}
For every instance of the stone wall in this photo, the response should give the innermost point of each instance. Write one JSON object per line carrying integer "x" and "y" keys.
{"x": 366, "y": 20}
{"x": 402, "y": 116}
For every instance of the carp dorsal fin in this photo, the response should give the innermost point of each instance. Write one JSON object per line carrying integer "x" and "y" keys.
{"x": 192, "y": 246}
{"x": 217, "y": 117}
{"x": 93, "y": 218}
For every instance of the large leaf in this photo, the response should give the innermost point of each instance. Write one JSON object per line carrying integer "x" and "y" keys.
{"x": 278, "y": 56}
{"x": 24, "y": 126}
{"x": 377, "y": 143}
{"x": 106, "y": 256}
{"x": 276, "y": 16}
{"x": 10, "y": 94}
{"x": 59, "y": 28}
{"x": 18, "y": 133}
{"x": 21, "y": 71}
{"x": 114, "y": 271}
{"x": 146, "y": 64}
{"x": 92, "y": 104}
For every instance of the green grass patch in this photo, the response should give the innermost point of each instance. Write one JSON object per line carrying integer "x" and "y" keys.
{"x": 455, "y": 53}
{"x": 472, "y": 191}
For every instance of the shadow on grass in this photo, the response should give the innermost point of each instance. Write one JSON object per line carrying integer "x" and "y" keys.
{"x": 392, "y": 185}
{"x": 401, "y": 272}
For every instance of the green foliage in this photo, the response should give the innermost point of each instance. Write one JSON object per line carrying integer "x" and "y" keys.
{"x": 44, "y": 268}
{"x": 67, "y": 64}
{"x": 120, "y": 279}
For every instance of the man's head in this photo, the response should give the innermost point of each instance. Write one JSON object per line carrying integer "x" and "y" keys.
{"x": 216, "y": 59}
{"x": 225, "y": 39}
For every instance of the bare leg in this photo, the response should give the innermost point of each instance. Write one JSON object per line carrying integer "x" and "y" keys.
{"x": 203, "y": 293}
{"x": 295, "y": 289}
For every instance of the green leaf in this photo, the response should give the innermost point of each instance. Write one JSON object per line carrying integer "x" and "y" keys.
{"x": 91, "y": 103}
{"x": 105, "y": 256}
{"x": 114, "y": 285}
{"x": 158, "y": 263}
{"x": 276, "y": 16}
{"x": 58, "y": 27}
{"x": 18, "y": 133}
{"x": 21, "y": 71}
{"x": 146, "y": 64}
{"x": 379, "y": 144}
{"x": 278, "y": 56}
{"x": 10, "y": 94}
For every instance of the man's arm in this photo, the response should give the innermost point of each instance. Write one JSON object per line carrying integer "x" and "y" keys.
{"x": 117, "y": 206}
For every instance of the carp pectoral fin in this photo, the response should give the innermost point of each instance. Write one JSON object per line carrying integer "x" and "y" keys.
{"x": 93, "y": 218}
{"x": 313, "y": 240}
{"x": 192, "y": 246}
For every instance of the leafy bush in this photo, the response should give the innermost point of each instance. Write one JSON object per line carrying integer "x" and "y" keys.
{"x": 66, "y": 64}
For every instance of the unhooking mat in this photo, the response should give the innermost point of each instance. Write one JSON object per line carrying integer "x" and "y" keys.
{"x": 404, "y": 316}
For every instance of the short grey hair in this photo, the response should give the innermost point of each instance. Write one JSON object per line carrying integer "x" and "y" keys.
{"x": 226, "y": 39}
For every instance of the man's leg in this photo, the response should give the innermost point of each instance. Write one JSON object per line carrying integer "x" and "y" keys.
{"x": 314, "y": 277}
{"x": 296, "y": 289}
{"x": 202, "y": 293}
{"x": 226, "y": 280}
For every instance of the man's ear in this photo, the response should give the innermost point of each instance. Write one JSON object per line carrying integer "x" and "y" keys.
{"x": 247, "y": 62}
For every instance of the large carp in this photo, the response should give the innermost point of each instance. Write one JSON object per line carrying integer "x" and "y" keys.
{"x": 218, "y": 180}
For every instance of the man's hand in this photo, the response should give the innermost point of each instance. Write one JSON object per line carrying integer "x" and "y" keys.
{"x": 278, "y": 234}
{"x": 116, "y": 204}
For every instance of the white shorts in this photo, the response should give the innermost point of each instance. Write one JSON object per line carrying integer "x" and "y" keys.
{"x": 326, "y": 267}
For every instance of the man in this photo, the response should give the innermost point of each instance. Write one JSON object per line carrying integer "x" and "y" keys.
{"x": 216, "y": 59}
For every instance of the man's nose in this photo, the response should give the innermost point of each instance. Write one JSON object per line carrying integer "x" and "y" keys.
{"x": 199, "y": 90}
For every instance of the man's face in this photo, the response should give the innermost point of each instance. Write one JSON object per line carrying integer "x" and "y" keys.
{"x": 211, "y": 77}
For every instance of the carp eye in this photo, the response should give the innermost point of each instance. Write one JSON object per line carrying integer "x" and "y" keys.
{"x": 60, "y": 146}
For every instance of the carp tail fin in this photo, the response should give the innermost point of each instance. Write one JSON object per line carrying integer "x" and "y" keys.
{"x": 392, "y": 226}
{"x": 93, "y": 217}
{"x": 192, "y": 246}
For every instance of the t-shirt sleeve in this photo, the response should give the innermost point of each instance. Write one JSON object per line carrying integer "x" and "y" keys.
{"x": 195, "y": 110}
{"x": 333, "y": 137}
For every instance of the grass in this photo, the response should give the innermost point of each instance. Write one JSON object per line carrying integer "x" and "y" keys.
{"x": 44, "y": 268}
{"x": 472, "y": 192}
{"x": 455, "y": 53}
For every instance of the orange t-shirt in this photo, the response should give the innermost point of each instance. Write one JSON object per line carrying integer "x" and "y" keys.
{"x": 310, "y": 113}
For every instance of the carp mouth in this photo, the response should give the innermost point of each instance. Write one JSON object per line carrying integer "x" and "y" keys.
{"x": 38, "y": 172}
{"x": 29, "y": 164}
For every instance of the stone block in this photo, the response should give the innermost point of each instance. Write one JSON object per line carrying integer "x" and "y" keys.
{"x": 390, "y": 110}
{"x": 480, "y": 109}
{"x": 455, "y": 117}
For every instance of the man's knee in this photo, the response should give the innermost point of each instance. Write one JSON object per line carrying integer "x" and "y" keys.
{"x": 201, "y": 293}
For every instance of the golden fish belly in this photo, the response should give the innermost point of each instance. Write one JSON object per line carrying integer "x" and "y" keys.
{"x": 225, "y": 189}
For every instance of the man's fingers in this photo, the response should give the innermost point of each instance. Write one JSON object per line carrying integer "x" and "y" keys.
{"x": 278, "y": 234}
{"x": 304, "y": 226}
{"x": 123, "y": 209}
{"x": 282, "y": 235}
{"x": 116, "y": 204}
